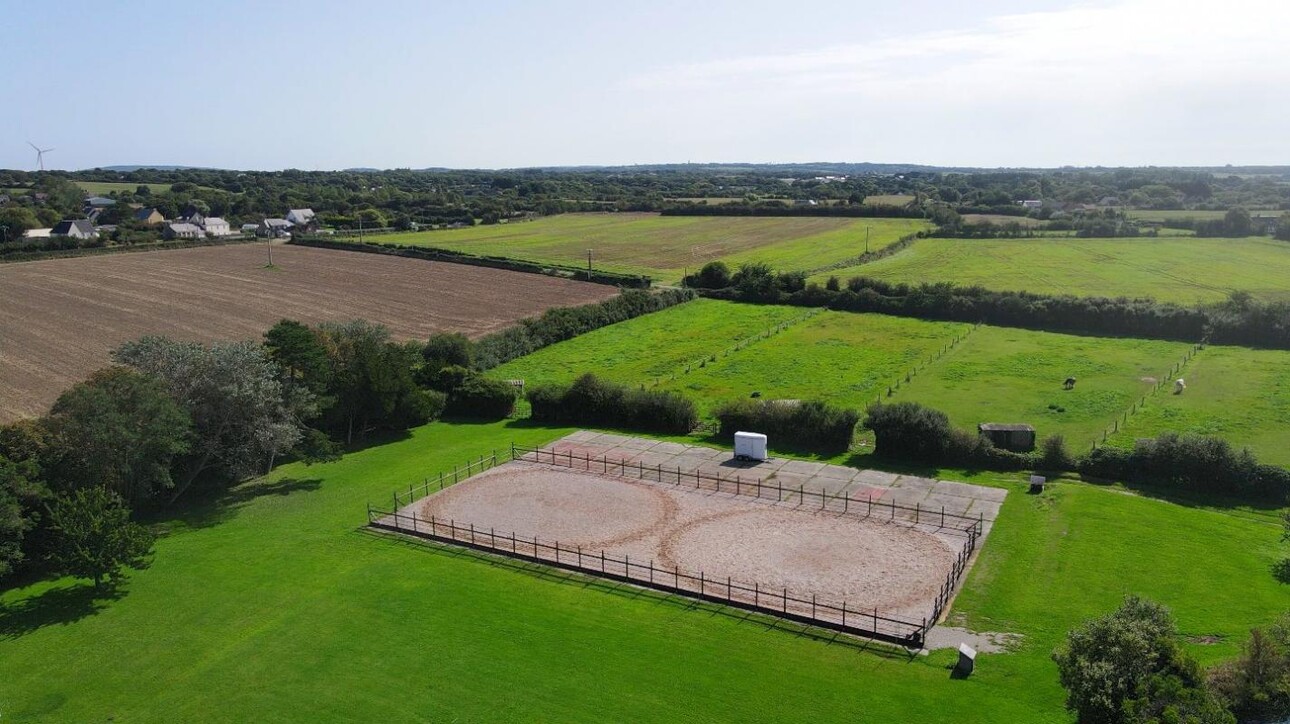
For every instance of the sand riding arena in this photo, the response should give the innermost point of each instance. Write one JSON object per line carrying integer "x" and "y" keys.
{"x": 843, "y": 558}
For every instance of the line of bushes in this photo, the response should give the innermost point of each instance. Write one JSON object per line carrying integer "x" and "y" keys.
{"x": 911, "y": 432}
{"x": 561, "y": 323}
{"x": 34, "y": 251}
{"x": 1240, "y": 320}
{"x": 811, "y": 425}
{"x": 631, "y": 281}
{"x": 593, "y": 401}
{"x": 778, "y": 209}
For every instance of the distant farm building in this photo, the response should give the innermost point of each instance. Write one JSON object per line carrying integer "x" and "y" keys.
{"x": 1009, "y": 436}
{"x": 303, "y": 219}
{"x": 1032, "y": 204}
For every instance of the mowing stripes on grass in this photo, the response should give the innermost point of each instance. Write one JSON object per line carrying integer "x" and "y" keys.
{"x": 1182, "y": 270}
{"x": 663, "y": 247}
{"x": 655, "y": 346}
{"x": 842, "y": 358}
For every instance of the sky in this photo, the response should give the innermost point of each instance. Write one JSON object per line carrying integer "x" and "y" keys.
{"x": 256, "y": 84}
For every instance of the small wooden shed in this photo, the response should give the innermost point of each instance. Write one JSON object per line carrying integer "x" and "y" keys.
{"x": 1017, "y": 437}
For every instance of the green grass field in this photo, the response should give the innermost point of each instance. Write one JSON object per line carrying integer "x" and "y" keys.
{"x": 1161, "y": 215}
{"x": 663, "y": 247}
{"x": 889, "y": 199}
{"x": 1000, "y": 374}
{"x": 1241, "y": 395}
{"x": 647, "y": 348}
{"x": 103, "y": 187}
{"x": 1184, "y": 270}
{"x": 275, "y": 606}
{"x": 847, "y": 359}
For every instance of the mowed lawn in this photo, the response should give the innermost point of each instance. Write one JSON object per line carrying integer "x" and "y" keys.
{"x": 651, "y": 347}
{"x": 1173, "y": 269}
{"x": 1001, "y": 374}
{"x": 840, "y": 357}
{"x": 663, "y": 247}
{"x": 276, "y": 606}
{"x": 1241, "y": 395}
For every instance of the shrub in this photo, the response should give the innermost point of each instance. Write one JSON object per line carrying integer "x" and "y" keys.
{"x": 592, "y": 401}
{"x": 1054, "y": 456}
{"x": 1191, "y": 462}
{"x": 444, "y": 349}
{"x": 1256, "y": 686}
{"x": 482, "y": 397}
{"x": 713, "y": 275}
{"x": 812, "y": 425}
{"x": 909, "y": 430}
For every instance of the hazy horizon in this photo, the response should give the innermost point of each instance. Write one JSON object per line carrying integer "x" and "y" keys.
{"x": 999, "y": 84}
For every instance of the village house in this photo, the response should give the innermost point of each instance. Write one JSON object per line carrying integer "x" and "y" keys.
{"x": 74, "y": 229}
{"x": 215, "y": 226}
{"x": 181, "y": 230}
{"x": 274, "y": 228}
{"x": 303, "y": 219}
{"x": 149, "y": 217}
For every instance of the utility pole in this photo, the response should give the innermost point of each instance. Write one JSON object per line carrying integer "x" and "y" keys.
{"x": 866, "y": 239}
{"x": 268, "y": 244}
{"x": 588, "y": 265}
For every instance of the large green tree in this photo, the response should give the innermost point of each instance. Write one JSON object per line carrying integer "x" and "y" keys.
{"x": 371, "y": 380}
{"x": 14, "y": 221}
{"x": 93, "y": 537}
{"x": 241, "y": 415}
{"x": 1126, "y": 667}
{"x": 119, "y": 429}
{"x": 20, "y": 497}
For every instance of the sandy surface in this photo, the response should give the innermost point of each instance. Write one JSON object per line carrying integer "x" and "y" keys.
{"x": 866, "y": 563}
{"x": 59, "y": 318}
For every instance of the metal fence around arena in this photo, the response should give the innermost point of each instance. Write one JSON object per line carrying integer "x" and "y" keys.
{"x": 833, "y": 615}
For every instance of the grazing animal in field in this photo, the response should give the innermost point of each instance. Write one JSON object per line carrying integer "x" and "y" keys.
{"x": 1069, "y": 384}
{"x": 1179, "y": 386}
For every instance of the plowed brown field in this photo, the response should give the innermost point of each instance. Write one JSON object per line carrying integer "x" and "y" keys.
{"x": 60, "y": 318}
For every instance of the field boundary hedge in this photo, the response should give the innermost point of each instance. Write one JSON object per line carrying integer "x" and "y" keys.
{"x": 739, "y": 345}
{"x": 862, "y": 211}
{"x": 99, "y": 250}
{"x": 1255, "y": 324}
{"x": 900, "y": 244}
{"x": 430, "y": 253}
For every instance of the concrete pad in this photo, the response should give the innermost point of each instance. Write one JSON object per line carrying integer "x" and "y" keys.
{"x": 914, "y": 482}
{"x": 582, "y": 436}
{"x": 875, "y": 478}
{"x": 865, "y": 492}
{"x": 638, "y": 443}
{"x": 802, "y": 467}
{"x": 962, "y": 490}
{"x": 837, "y": 472}
{"x": 611, "y": 439}
{"x": 669, "y": 448}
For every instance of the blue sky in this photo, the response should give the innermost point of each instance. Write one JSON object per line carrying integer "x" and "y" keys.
{"x": 326, "y": 85}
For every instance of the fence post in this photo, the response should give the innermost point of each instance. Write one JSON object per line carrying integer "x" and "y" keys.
{"x": 785, "y": 600}
{"x": 580, "y": 556}
{"x": 756, "y": 594}
{"x": 700, "y": 583}
{"x": 414, "y": 521}
{"x": 844, "y": 617}
{"x": 727, "y": 589}
{"x": 812, "y": 605}
{"x": 918, "y": 512}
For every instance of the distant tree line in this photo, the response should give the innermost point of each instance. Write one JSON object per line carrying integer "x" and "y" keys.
{"x": 780, "y": 209}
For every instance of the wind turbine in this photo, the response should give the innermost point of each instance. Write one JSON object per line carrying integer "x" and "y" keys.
{"x": 40, "y": 154}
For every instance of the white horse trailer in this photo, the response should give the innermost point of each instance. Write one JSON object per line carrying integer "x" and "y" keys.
{"x": 750, "y": 446}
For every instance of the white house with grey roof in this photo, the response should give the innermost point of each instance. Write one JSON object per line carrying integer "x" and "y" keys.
{"x": 75, "y": 229}
{"x": 215, "y": 226}
{"x": 181, "y": 230}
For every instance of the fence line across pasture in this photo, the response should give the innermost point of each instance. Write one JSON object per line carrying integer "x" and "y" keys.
{"x": 833, "y": 616}
{"x": 781, "y": 602}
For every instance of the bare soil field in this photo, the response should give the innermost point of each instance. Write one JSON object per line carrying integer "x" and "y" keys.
{"x": 60, "y": 318}
{"x": 866, "y": 563}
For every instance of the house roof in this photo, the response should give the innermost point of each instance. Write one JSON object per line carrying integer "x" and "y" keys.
{"x": 185, "y": 227}
{"x": 142, "y": 214}
{"x": 215, "y": 220}
{"x": 276, "y": 222}
{"x": 65, "y": 227}
{"x": 307, "y": 213}
{"x": 1008, "y": 426}
{"x": 100, "y": 201}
